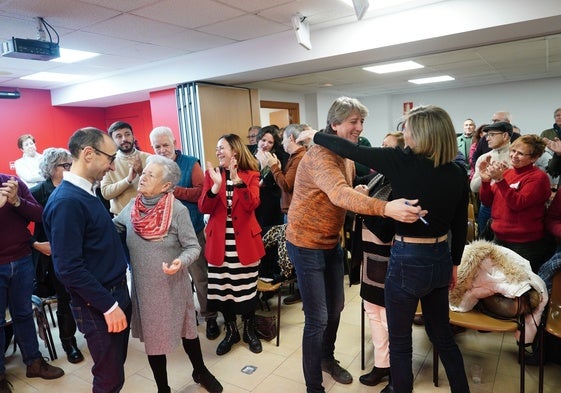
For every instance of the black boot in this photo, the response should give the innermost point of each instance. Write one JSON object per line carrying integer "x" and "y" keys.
{"x": 67, "y": 329}
{"x": 374, "y": 377}
{"x": 207, "y": 381}
{"x": 249, "y": 335}
{"x": 73, "y": 354}
{"x": 232, "y": 337}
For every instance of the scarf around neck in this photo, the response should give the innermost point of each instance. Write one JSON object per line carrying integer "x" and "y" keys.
{"x": 151, "y": 217}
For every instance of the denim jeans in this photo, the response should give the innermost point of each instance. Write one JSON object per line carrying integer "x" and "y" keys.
{"x": 421, "y": 272}
{"x": 320, "y": 280}
{"x": 108, "y": 350}
{"x": 16, "y": 288}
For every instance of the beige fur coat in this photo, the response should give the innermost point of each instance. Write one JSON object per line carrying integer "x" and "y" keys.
{"x": 487, "y": 269}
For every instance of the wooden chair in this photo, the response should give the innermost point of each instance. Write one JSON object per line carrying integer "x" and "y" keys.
{"x": 478, "y": 321}
{"x": 263, "y": 286}
{"x": 552, "y": 321}
{"x": 44, "y": 329}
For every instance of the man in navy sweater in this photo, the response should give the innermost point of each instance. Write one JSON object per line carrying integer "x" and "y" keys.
{"x": 89, "y": 258}
{"x": 17, "y": 209}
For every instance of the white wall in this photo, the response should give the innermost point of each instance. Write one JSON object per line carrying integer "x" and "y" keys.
{"x": 531, "y": 104}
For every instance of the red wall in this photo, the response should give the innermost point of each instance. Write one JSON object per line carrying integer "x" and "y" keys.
{"x": 52, "y": 126}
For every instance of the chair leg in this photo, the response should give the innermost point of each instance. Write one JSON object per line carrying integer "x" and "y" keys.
{"x": 521, "y": 350}
{"x": 52, "y": 316}
{"x": 278, "y": 313}
{"x": 362, "y": 355}
{"x": 541, "y": 332}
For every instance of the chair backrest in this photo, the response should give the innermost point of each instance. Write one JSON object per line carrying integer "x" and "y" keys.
{"x": 553, "y": 322}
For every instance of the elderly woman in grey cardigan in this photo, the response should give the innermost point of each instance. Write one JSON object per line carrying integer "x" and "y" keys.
{"x": 162, "y": 244}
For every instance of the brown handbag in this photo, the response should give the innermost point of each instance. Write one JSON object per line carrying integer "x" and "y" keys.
{"x": 501, "y": 307}
{"x": 266, "y": 327}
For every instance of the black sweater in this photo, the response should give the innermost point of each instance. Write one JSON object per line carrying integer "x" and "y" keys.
{"x": 443, "y": 190}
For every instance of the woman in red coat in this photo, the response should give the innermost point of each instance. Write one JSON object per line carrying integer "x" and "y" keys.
{"x": 233, "y": 245}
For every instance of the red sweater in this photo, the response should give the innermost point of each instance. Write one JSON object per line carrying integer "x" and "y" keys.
{"x": 518, "y": 204}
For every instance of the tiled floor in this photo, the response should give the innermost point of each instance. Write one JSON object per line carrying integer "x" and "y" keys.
{"x": 278, "y": 369}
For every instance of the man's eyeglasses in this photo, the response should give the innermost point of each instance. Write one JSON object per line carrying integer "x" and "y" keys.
{"x": 492, "y": 134}
{"x": 66, "y": 166}
{"x": 252, "y": 136}
{"x": 109, "y": 156}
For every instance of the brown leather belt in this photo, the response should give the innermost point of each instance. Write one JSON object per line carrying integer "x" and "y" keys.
{"x": 420, "y": 240}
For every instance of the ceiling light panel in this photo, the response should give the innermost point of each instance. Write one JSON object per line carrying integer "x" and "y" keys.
{"x": 434, "y": 79}
{"x": 393, "y": 67}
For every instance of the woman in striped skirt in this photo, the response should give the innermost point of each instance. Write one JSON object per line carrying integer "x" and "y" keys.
{"x": 234, "y": 246}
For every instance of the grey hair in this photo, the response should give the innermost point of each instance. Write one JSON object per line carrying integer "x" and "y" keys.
{"x": 172, "y": 173}
{"x": 51, "y": 158}
{"x": 342, "y": 108}
{"x": 294, "y": 130}
{"x": 162, "y": 131}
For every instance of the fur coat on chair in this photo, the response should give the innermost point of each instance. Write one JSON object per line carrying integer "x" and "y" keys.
{"x": 487, "y": 269}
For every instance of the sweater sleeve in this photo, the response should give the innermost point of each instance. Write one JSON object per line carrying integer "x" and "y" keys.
{"x": 486, "y": 193}
{"x": 190, "y": 248}
{"x": 530, "y": 191}
{"x": 332, "y": 182}
{"x": 66, "y": 223}
{"x": 372, "y": 157}
{"x": 193, "y": 193}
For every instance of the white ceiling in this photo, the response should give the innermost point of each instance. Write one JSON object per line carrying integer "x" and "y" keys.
{"x": 147, "y": 35}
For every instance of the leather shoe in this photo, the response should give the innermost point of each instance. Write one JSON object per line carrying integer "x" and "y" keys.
{"x": 374, "y": 377}
{"x": 212, "y": 330}
{"x": 40, "y": 368}
{"x": 74, "y": 355}
{"x": 338, "y": 373}
{"x": 207, "y": 381}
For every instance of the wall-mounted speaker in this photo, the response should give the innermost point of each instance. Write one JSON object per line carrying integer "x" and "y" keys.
{"x": 302, "y": 30}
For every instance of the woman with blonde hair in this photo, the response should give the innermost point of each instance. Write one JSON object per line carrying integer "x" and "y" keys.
{"x": 422, "y": 265}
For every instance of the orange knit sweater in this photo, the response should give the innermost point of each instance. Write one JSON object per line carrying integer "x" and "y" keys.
{"x": 322, "y": 194}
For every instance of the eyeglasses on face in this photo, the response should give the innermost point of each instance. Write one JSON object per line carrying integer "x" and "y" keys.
{"x": 515, "y": 152}
{"x": 66, "y": 166}
{"x": 109, "y": 156}
{"x": 252, "y": 136}
{"x": 492, "y": 134}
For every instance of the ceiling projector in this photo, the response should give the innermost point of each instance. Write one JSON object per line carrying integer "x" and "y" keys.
{"x": 20, "y": 48}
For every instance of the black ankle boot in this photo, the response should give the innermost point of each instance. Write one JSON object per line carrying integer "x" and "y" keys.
{"x": 232, "y": 337}
{"x": 73, "y": 354}
{"x": 207, "y": 381}
{"x": 374, "y": 377}
{"x": 250, "y": 337}
{"x": 67, "y": 329}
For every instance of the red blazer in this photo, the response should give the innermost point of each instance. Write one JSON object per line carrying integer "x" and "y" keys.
{"x": 247, "y": 231}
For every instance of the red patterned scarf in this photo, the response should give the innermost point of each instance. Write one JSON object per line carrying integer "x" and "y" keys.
{"x": 152, "y": 222}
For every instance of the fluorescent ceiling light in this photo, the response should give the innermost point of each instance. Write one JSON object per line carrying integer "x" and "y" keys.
{"x": 394, "y": 67}
{"x": 73, "y": 55}
{"x": 53, "y": 77}
{"x": 433, "y": 79}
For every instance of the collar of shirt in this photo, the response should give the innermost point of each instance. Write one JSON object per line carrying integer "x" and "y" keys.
{"x": 79, "y": 181}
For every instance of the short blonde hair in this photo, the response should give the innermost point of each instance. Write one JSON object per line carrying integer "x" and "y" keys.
{"x": 535, "y": 143}
{"x": 432, "y": 129}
